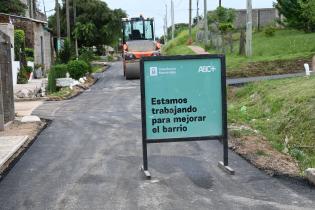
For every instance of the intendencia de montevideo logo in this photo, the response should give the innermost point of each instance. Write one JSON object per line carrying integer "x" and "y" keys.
{"x": 153, "y": 71}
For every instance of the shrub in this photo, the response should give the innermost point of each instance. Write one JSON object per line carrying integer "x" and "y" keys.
{"x": 29, "y": 53}
{"x": 28, "y": 69}
{"x": 86, "y": 55}
{"x": 57, "y": 71}
{"x": 22, "y": 77}
{"x": 19, "y": 43}
{"x": 78, "y": 69}
{"x": 270, "y": 31}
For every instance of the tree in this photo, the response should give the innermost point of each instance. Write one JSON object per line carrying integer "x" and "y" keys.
{"x": 15, "y": 7}
{"x": 96, "y": 24}
{"x": 299, "y": 14}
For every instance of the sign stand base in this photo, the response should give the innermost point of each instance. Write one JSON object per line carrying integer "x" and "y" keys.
{"x": 146, "y": 173}
{"x": 227, "y": 169}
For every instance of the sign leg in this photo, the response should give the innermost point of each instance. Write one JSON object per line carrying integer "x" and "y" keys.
{"x": 144, "y": 168}
{"x": 225, "y": 164}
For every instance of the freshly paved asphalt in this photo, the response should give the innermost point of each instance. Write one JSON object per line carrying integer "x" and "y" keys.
{"x": 90, "y": 155}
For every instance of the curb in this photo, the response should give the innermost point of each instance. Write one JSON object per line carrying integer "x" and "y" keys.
{"x": 310, "y": 175}
{"x": 17, "y": 155}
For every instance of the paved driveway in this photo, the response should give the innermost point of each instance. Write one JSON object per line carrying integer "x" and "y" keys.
{"x": 90, "y": 155}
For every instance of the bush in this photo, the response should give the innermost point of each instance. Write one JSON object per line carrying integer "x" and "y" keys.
{"x": 28, "y": 69}
{"x": 78, "y": 69}
{"x": 86, "y": 55}
{"x": 22, "y": 77}
{"x": 270, "y": 31}
{"x": 57, "y": 71}
{"x": 29, "y": 53}
{"x": 19, "y": 43}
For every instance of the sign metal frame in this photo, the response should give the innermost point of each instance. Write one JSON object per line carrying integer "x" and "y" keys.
{"x": 223, "y": 138}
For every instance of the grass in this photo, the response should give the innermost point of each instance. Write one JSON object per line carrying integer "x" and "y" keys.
{"x": 97, "y": 69}
{"x": 280, "y": 110}
{"x": 271, "y": 55}
{"x": 62, "y": 93}
{"x": 284, "y": 45}
{"x": 178, "y": 46}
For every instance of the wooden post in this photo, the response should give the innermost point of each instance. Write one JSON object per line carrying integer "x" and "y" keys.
{"x": 313, "y": 64}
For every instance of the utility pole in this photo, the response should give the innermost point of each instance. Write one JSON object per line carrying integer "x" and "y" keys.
{"x": 74, "y": 20}
{"x": 58, "y": 24}
{"x": 220, "y": 3}
{"x": 197, "y": 11}
{"x": 68, "y": 19}
{"x": 166, "y": 25}
{"x": 249, "y": 29}
{"x": 190, "y": 11}
{"x": 173, "y": 17}
{"x": 44, "y": 8}
{"x": 205, "y": 19}
{"x": 1, "y": 107}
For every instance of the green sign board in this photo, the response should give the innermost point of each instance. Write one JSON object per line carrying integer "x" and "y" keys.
{"x": 183, "y": 98}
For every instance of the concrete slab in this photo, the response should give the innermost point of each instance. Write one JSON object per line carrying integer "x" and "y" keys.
{"x": 310, "y": 174}
{"x": 26, "y": 108}
{"x": 28, "y": 119}
{"x": 9, "y": 145}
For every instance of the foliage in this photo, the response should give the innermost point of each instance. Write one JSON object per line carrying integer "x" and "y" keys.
{"x": 29, "y": 52}
{"x": 65, "y": 54}
{"x": 223, "y": 18}
{"x": 86, "y": 54}
{"x": 179, "y": 27}
{"x": 28, "y": 69}
{"x": 22, "y": 77}
{"x": 57, "y": 71}
{"x": 270, "y": 31}
{"x": 15, "y": 7}
{"x": 178, "y": 45}
{"x": 299, "y": 14}
{"x": 19, "y": 43}
{"x": 281, "y": 109}
{"x": 78, "y": 69}
{"x": 96, "y": 24}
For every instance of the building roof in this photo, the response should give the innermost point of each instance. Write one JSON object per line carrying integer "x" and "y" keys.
{"x": 24, "y": 18}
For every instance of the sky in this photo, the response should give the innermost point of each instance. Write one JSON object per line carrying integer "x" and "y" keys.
{"x": 157, "y": 10}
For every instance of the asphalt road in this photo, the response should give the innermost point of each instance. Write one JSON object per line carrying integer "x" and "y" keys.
{"x": 90, "y": 155}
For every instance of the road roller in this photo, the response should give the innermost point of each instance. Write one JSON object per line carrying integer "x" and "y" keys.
{"x": 138, "y": 41}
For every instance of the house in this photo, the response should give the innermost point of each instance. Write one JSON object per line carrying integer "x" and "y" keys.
{"x": 37, "y": 34}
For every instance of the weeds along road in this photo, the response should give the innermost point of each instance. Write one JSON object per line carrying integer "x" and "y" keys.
{"x": 89, "y": 158}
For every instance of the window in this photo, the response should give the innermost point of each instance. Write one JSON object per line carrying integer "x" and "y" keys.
{"x": 138, "y": 30}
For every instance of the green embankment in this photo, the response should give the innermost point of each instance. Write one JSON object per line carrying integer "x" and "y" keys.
{"x": 178, "y": 46}
{"x": 284, "y": 45}
{"x": 279, "y": 110}
{"x": 285, "y": 52}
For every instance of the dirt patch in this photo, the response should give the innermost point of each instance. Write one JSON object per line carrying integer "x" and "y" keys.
{"x": 267, "y": 68}
{"x": 258, "y": 151}
{"x": 71, "y": 93}
{"x": 16, "y": 128}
